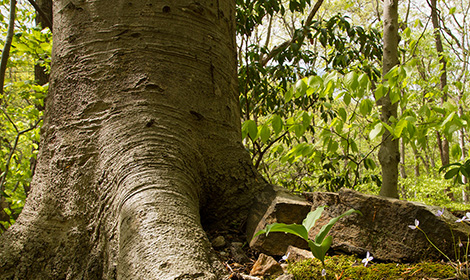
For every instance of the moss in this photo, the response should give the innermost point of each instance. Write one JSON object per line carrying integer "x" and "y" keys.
{"x": 350, "y": 267}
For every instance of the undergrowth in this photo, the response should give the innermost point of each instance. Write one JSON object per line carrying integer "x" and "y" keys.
{"x": 350, "y": 267}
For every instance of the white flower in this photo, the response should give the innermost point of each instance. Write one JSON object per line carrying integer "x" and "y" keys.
{"x": 440, "y": 212}
{"x": 416, "y": 225}
{"x": 323, "y": 272}
{"x": 284, "y": 258}
{"x": 367, "y": 259}
{"x": 464, "y": 218}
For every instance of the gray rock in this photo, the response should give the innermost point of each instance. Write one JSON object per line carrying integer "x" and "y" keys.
{"x": 237, "y": 252}
{"x": 276, "y": 205}
{"x": 297, "y": 254}
{"x": 218, "y": 242}
{"x": 285, "y": 277}
{"x": 384, "y": 230}
{"x": 266, "y": 266}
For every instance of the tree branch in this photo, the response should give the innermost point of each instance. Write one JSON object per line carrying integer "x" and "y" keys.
{"x": 42, "y": 14}
{"x": 7, "y": 46}
{"x": 276, "y": 50}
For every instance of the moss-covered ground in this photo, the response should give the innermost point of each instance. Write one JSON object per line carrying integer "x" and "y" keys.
{"x": 350, "y": 267}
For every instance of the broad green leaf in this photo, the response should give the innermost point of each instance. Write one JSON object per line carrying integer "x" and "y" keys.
{"x": 312, "y": 217}
{"x": 397, "y": 131}
{"x": 394, "y": 95}
{"x": 342, "y": 113}
{"x": 306, "y": 119}
{"x": 452, "y": 172}
{"x": 350, "y": 80}
{"x": 456, "y": 152}
{"x": 300, "y": 88}
{"x": 347, "y": 98}
{"x": 448, "y": 119}
{"x": 295, "y": 229}
{"x": 364, "y": 81}
{"x": 265, "y": 133}
{"x": 378, "y": 128}
{"x": 464, "y": 170}
{"x": 365, "y": 107}
{"x": 319, "y": 250}
{"x": 315, "y": 82}
{"x": 449, "y": 165}
{"x": 332, "y": 146}
{"x": 299, "y": 130}
{"x": 380, "y": 91}
{"x": 276, "y": 123}
{"x": 250, "y": 128}
{"x": 289, "y": 94}
{"x": 326, "y": 228}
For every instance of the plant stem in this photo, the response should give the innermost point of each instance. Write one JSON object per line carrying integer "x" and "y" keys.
{"x": 435, "y": 245}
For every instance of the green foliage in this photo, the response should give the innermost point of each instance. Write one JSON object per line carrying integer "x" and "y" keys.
{"x": 349, "y": 267}
{"x": 21, "y": 109}
{"x": 322, "y": 243}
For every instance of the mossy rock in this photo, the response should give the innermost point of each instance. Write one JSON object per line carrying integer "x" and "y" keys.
{"x": 351, "y": 267}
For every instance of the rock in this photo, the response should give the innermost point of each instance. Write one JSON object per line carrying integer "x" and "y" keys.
{"x": 265, "y": 266}
{"x": 276, "y": 205}
{"x": 297, "y": 254}
{"x": 218, "y": 242}
{"x": 285, "y": 277}
{"x": 238, "y": 254}
{"x": 384, "y": 230}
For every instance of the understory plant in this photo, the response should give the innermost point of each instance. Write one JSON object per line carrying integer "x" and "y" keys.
{"x": 461, "y": 264}
{"x": 320, "y": 245}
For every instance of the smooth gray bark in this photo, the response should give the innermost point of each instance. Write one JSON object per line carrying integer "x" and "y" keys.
{"x": 141, "y": 145}
{"x": 389, "y": 155}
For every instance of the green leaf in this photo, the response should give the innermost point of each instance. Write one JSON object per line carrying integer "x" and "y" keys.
{"x": 295, "y": 229}
{"x": 315, "y": 82}
{"x": 312, "y": 217}
{"x": 394, "y": 95}
{"x": 397, "y": 131}
{"x": 276, "y": 123}
{"x": 299, "y": 130}
{"x": 306, "y": 119}
{"x": 300, "y": 88}
{"x": 342, "y": 113}
{"x": 265, "y": 133}
{"x": 319, "y": 250}
{"x": 289, "y": 94}
{"x": 378, "y": 129}
{"x": 250, "y": 128}
{"x": 379, "y": 92}
{"x": 350, "y": 80}
{"x": 366, "y": 106}
{"x": 347, "y": 98}
{"x": 452, "y": 172}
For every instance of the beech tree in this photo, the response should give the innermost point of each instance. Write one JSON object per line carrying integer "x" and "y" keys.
{"x": 389, "y": 155}
{"x": 140, "y": 148}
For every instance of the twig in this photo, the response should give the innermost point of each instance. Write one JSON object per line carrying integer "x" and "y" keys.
{"x": 7, "y": 46}
{"x": 17, "y": 138}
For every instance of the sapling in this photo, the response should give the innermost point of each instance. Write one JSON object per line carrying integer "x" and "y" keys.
{"x": 320, "y": 245}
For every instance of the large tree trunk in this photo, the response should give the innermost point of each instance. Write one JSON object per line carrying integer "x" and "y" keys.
{"x": 389, "y": 155}
{"x": 140, "y": 146}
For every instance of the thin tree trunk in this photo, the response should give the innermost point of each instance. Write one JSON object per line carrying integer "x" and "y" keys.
{"x": 441, "y": 140}
{"x": 402, "y": 159}
{"x": 141, "y": 145}
{"x": 389, "y": 155}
